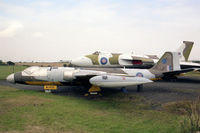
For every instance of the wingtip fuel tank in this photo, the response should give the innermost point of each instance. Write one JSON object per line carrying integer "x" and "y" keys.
{"x": 117, "y": 81}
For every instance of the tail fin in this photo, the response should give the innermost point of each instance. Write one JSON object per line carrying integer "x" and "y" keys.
{"x": 184, "y": 50}
{"x": 168, "y": 62}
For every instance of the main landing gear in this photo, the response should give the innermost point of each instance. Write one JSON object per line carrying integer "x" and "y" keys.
{"x": 124, "y": 90}
{"x": 139, "y": 88}
{"x": 95, "y": 90}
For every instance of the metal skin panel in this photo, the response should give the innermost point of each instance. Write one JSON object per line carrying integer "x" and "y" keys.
{"x": 55, "y": 75}
{"x": 176, "y": 62}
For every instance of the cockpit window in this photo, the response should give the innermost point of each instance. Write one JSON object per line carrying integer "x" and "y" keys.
{"x": 96, "y": 52}
{"x": 31, "y": 70}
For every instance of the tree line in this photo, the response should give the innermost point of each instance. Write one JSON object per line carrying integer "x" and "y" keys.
{"x": 10, "y": 63}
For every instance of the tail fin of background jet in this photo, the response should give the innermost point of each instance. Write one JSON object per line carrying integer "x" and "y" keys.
{"x": 168, "y": 62}
{"x": 184, "y": 50}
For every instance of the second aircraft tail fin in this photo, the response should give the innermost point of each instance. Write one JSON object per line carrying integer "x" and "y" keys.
{"x": 185, "y": 49}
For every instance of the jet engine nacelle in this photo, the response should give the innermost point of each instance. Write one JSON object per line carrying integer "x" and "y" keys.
{"x": 69, "y": 75}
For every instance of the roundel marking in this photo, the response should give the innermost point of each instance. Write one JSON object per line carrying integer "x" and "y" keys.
{"x": 139, "y": 74}
{"x": 164, "y": 61}
{"x": 103, "y": 60}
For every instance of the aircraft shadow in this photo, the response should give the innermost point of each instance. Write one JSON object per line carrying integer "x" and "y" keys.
{"x": 192, "y": 80}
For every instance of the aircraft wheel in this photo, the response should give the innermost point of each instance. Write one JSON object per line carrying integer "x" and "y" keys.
{"x": 139, "y": 88}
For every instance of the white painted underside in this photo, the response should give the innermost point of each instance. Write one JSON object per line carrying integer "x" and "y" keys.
{"x": 117, "y": 84}
{"x": 117, "y": 81}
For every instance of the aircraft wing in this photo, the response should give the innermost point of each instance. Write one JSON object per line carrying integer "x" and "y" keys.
{"x": 177, "y": 72}
{"x": 132, "y": 58}
{"x": 104, "y": 79}
{"x": 89, "y": 73}
{"x": 135, "y": 60}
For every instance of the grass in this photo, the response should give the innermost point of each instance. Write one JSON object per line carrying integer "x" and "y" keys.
{"x": 6, "y": 70}
{"x": 32, "y": 111}
{"x": 191, "y": 110}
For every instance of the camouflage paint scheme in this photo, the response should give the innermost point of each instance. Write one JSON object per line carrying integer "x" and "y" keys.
{"x": 187, "y": 50}
{"x": 94, "y": 58}
{"x": 130, "y": 60}
{"x": 114, "y": 60}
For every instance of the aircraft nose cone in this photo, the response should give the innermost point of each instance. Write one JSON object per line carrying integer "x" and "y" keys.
{"x": 10, "y": 78}
{"x": 82, "y": 61}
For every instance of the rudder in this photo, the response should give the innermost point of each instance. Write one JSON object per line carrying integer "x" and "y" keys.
{"x": 185, "y": 49}
{"x": 168, "y": 62}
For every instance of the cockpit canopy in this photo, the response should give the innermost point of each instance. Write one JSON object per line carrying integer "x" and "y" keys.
{"x": 31, "y": 70}
{"x": 35, "y": 71}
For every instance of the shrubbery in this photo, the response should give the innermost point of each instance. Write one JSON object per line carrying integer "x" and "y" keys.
{"x": 191, "y": 122}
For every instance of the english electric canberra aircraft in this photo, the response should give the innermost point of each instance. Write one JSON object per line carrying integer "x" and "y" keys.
{"x": 100, "y": 59}
{"x": 51, "y": 77}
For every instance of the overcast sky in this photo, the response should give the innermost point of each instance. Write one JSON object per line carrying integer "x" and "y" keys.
{"x": 49, "y": 30}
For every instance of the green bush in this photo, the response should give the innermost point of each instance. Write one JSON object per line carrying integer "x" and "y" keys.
{"x": 191, "y": 122}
